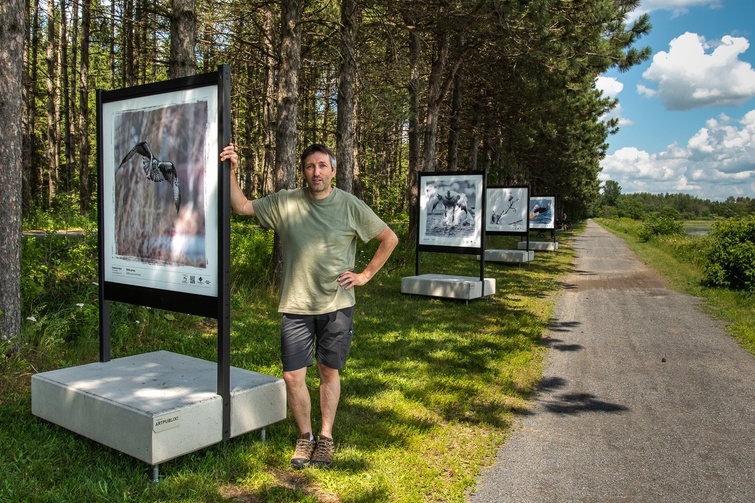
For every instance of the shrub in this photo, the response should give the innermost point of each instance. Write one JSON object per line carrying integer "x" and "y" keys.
{"x": 691, "y": 249}
{"x": 251, "y": 254}
{"x": 660, "y": 226}
{"x": 58, "y": 270}
{"x": 731, "y": 258}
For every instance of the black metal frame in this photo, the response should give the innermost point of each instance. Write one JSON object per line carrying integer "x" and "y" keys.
{"x": 455, "y": 249}
{"x": 217, "y": 307}
{"x": 552, "y": 228}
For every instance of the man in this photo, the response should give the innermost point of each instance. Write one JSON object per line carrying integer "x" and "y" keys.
{"x": 317, "y": 226}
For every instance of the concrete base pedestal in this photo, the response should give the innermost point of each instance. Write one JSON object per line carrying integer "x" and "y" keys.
{"x": 511, "y": 256}
{"x": 448, "y": 286}
{"x": 155, "y": 406}
{"x": 538, "y": 245}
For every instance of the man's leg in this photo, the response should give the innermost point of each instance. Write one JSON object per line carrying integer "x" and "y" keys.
{"x": 330, "y": 393}
{"x": 297, "y": 341}
{"x": 333, "y": 344}
{"x": 298, "y": 398}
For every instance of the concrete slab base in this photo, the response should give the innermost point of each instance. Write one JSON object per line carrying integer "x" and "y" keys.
{"x": 155, "y": 406}
{"x": 512, "y": 256}
{"x": 448, "y": 286}
{"x": 539, "y": 245}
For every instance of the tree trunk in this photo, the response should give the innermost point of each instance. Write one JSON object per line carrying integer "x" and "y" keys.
{"x": 414, "y": 143}
{"x": 30, "y": 169}
{"x": 455, "y": 126}
{"x": 435, "y": 92}
{"x": 288, "y": 100}
{"x": 345, "y": 129}
{"x": 83, "y": 120}
{"x": 113, "y": 42}
{"x": 129, "y": 56}
{"x": 11, "y": 88}
{"x": 52, "y": 119}
{"x": 268, "y": 113}
{"x": 288, "y": 95}
{"x": 183, "y": 21}
{"x": 68, "y": 89}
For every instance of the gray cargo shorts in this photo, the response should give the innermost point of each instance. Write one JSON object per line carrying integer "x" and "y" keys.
{"x": 327, "y": 336}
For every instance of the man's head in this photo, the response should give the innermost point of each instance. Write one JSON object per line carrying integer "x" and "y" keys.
{"x": 318, "y": 164}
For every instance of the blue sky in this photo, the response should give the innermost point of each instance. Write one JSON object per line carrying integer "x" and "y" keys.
{"x": 687, "y": 115}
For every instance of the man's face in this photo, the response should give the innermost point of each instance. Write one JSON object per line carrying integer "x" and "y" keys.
{"x": 318, "y": 173}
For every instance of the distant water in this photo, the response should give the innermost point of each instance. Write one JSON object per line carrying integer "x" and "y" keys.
{"x": 697, "y": 230}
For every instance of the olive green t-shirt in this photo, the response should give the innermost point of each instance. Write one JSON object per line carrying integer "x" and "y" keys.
{"x": 318, "y": 240}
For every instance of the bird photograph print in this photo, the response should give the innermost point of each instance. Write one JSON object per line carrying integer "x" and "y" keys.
{"x": 542, "y": 212}
{"x": 450, "y": 208}
{"x": 159, "y": 184}
{"x": 507, "y": 209}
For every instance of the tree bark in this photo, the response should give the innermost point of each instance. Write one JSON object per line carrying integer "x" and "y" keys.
{"x": 183, "y": 61}
{"x": 288, "y": 94}
{"x": 435, "y": 93}
{"x": 30, "y": 169}
{"x": 346, "y": 122}
{"x": 414, "y": 138}
{"x": 83, "y": 119}
{"x": 11, "y": 107}
{"x": 289, "y": 65}
{"x": 455, "y": 126}
{"x": 53, "y": 130}
{"x": 268, "y": 114}
{"x": 68, "y": 89}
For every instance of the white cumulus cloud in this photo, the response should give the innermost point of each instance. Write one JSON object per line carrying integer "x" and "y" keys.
{"x": 676, "y": 7}
{"x": 717, "y": 162}
{"x": 611, "y": 87}
{"x": 695, "y": 73}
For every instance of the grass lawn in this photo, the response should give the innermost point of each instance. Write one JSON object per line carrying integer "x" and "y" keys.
{"x": 428, "y": 395}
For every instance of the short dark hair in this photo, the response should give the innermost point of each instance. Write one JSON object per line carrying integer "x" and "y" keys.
{"x": 318, "y": 147}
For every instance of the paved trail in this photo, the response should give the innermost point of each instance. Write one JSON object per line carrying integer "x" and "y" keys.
{"x": 644, "y": 398}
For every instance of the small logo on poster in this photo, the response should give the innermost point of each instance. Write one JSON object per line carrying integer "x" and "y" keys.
{"x": 166, "y": 422}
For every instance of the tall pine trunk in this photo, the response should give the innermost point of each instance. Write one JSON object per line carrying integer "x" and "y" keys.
{"x": 346, "y": 122}
{"x": 268, "y": 113}
{"x": 53, "y": 130}
{"x": 414, "y": 138}
{"x": 182, "y": 37}
{"x": 83, "y": 119}
{"x": 288, "y": 102}
{"x": 11, "y": 89}
{"x": 30, "y": 169}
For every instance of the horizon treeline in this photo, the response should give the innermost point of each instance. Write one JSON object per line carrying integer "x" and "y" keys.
{"x": 678, "y": 206}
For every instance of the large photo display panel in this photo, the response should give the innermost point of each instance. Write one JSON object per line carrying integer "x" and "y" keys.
{"x": 451, "y": 210}
{"x": 159, "y": 194}
{"x": 542, "y": 212}
{"x": 506, "y": 209}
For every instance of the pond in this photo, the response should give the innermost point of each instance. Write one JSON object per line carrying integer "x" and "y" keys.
{"x": 697, "y": 228}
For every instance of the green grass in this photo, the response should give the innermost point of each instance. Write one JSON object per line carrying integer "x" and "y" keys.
{"x": 428, "y": 395}
{"x": 679, "y": 259}
{"x": 430, "y": 391}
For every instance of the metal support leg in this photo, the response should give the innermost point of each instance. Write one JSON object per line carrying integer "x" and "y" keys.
{"x": 263, "y": 434}
{"x": 155, "y": 474}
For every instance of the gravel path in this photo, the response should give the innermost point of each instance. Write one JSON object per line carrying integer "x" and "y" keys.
{"x": 644, "y": 398}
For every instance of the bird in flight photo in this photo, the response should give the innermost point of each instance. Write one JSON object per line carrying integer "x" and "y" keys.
{"x": 156, "y": 170}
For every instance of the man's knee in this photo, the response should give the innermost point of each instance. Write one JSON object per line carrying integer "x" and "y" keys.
{"x": 327, "y": 373}
{"x": 294, "y": 377}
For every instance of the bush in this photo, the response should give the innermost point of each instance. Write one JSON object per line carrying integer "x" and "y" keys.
{"x": 251, "y": 254}
{"x": 660, "y": 226}
{"x": 731, "y": 258}
{"x": 58, "y": 269}
{"x": 690, "y": 249}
